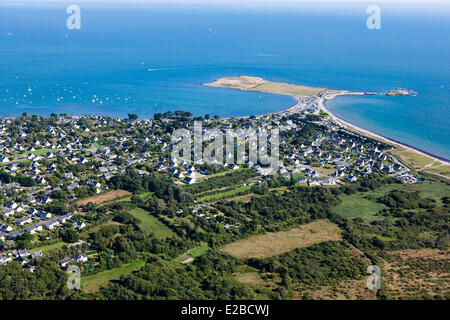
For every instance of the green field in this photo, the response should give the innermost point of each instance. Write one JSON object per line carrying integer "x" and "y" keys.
{"x": 151, "y": 224}
{"x": 40, "y": 152}
{"x": 222, "y": 173}
{"x": 198, "y": 251}
{"x": 433, "y": 189}
{"x": 43, "y": 151}
{"x": 357, "y": 206}
{"x": 365, "y": 205}
{"x": 93, "y": 282}
{"x": 50, "y": 247}
{"x": 225, "y": 194}
{"x": 193, "y": 253}
{"x": 430, "y": 189}
{"x": 140, "y": 195}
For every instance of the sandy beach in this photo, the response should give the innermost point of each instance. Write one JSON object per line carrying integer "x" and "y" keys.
{"x": 375, "y": 136}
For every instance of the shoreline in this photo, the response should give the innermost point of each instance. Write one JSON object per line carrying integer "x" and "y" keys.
{"x": 321, "y": 100}
{"x": 352, "y": 127}
{"x": 320, "y": 96}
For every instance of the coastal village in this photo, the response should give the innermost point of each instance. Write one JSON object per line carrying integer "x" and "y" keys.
{"x": 73, "y": 157}
{"x": 248, "y": 154}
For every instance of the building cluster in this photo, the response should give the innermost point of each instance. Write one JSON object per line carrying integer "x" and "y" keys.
{"x": 64, "y": 159}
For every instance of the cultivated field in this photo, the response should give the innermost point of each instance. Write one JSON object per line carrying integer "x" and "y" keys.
{"x": 104, "y": 197}
{"x": 275, "y": 243}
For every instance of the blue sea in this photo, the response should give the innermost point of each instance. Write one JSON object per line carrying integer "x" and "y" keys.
{"x": 150, "y": 58}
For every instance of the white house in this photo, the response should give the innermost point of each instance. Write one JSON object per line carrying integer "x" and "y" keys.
{"x": 24, "y": 220}
{"x": 79, "y": 225}
{"x": 3, "y": 159}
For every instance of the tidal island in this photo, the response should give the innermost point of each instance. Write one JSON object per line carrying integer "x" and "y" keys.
{"x": 312, "y": 100}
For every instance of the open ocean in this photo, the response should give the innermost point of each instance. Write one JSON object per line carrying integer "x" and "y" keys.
{"x": 154, "y": 58}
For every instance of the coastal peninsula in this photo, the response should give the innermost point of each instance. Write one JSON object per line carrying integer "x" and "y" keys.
{"x": 314, "y": 98}
{"x": 249, "y": 83}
